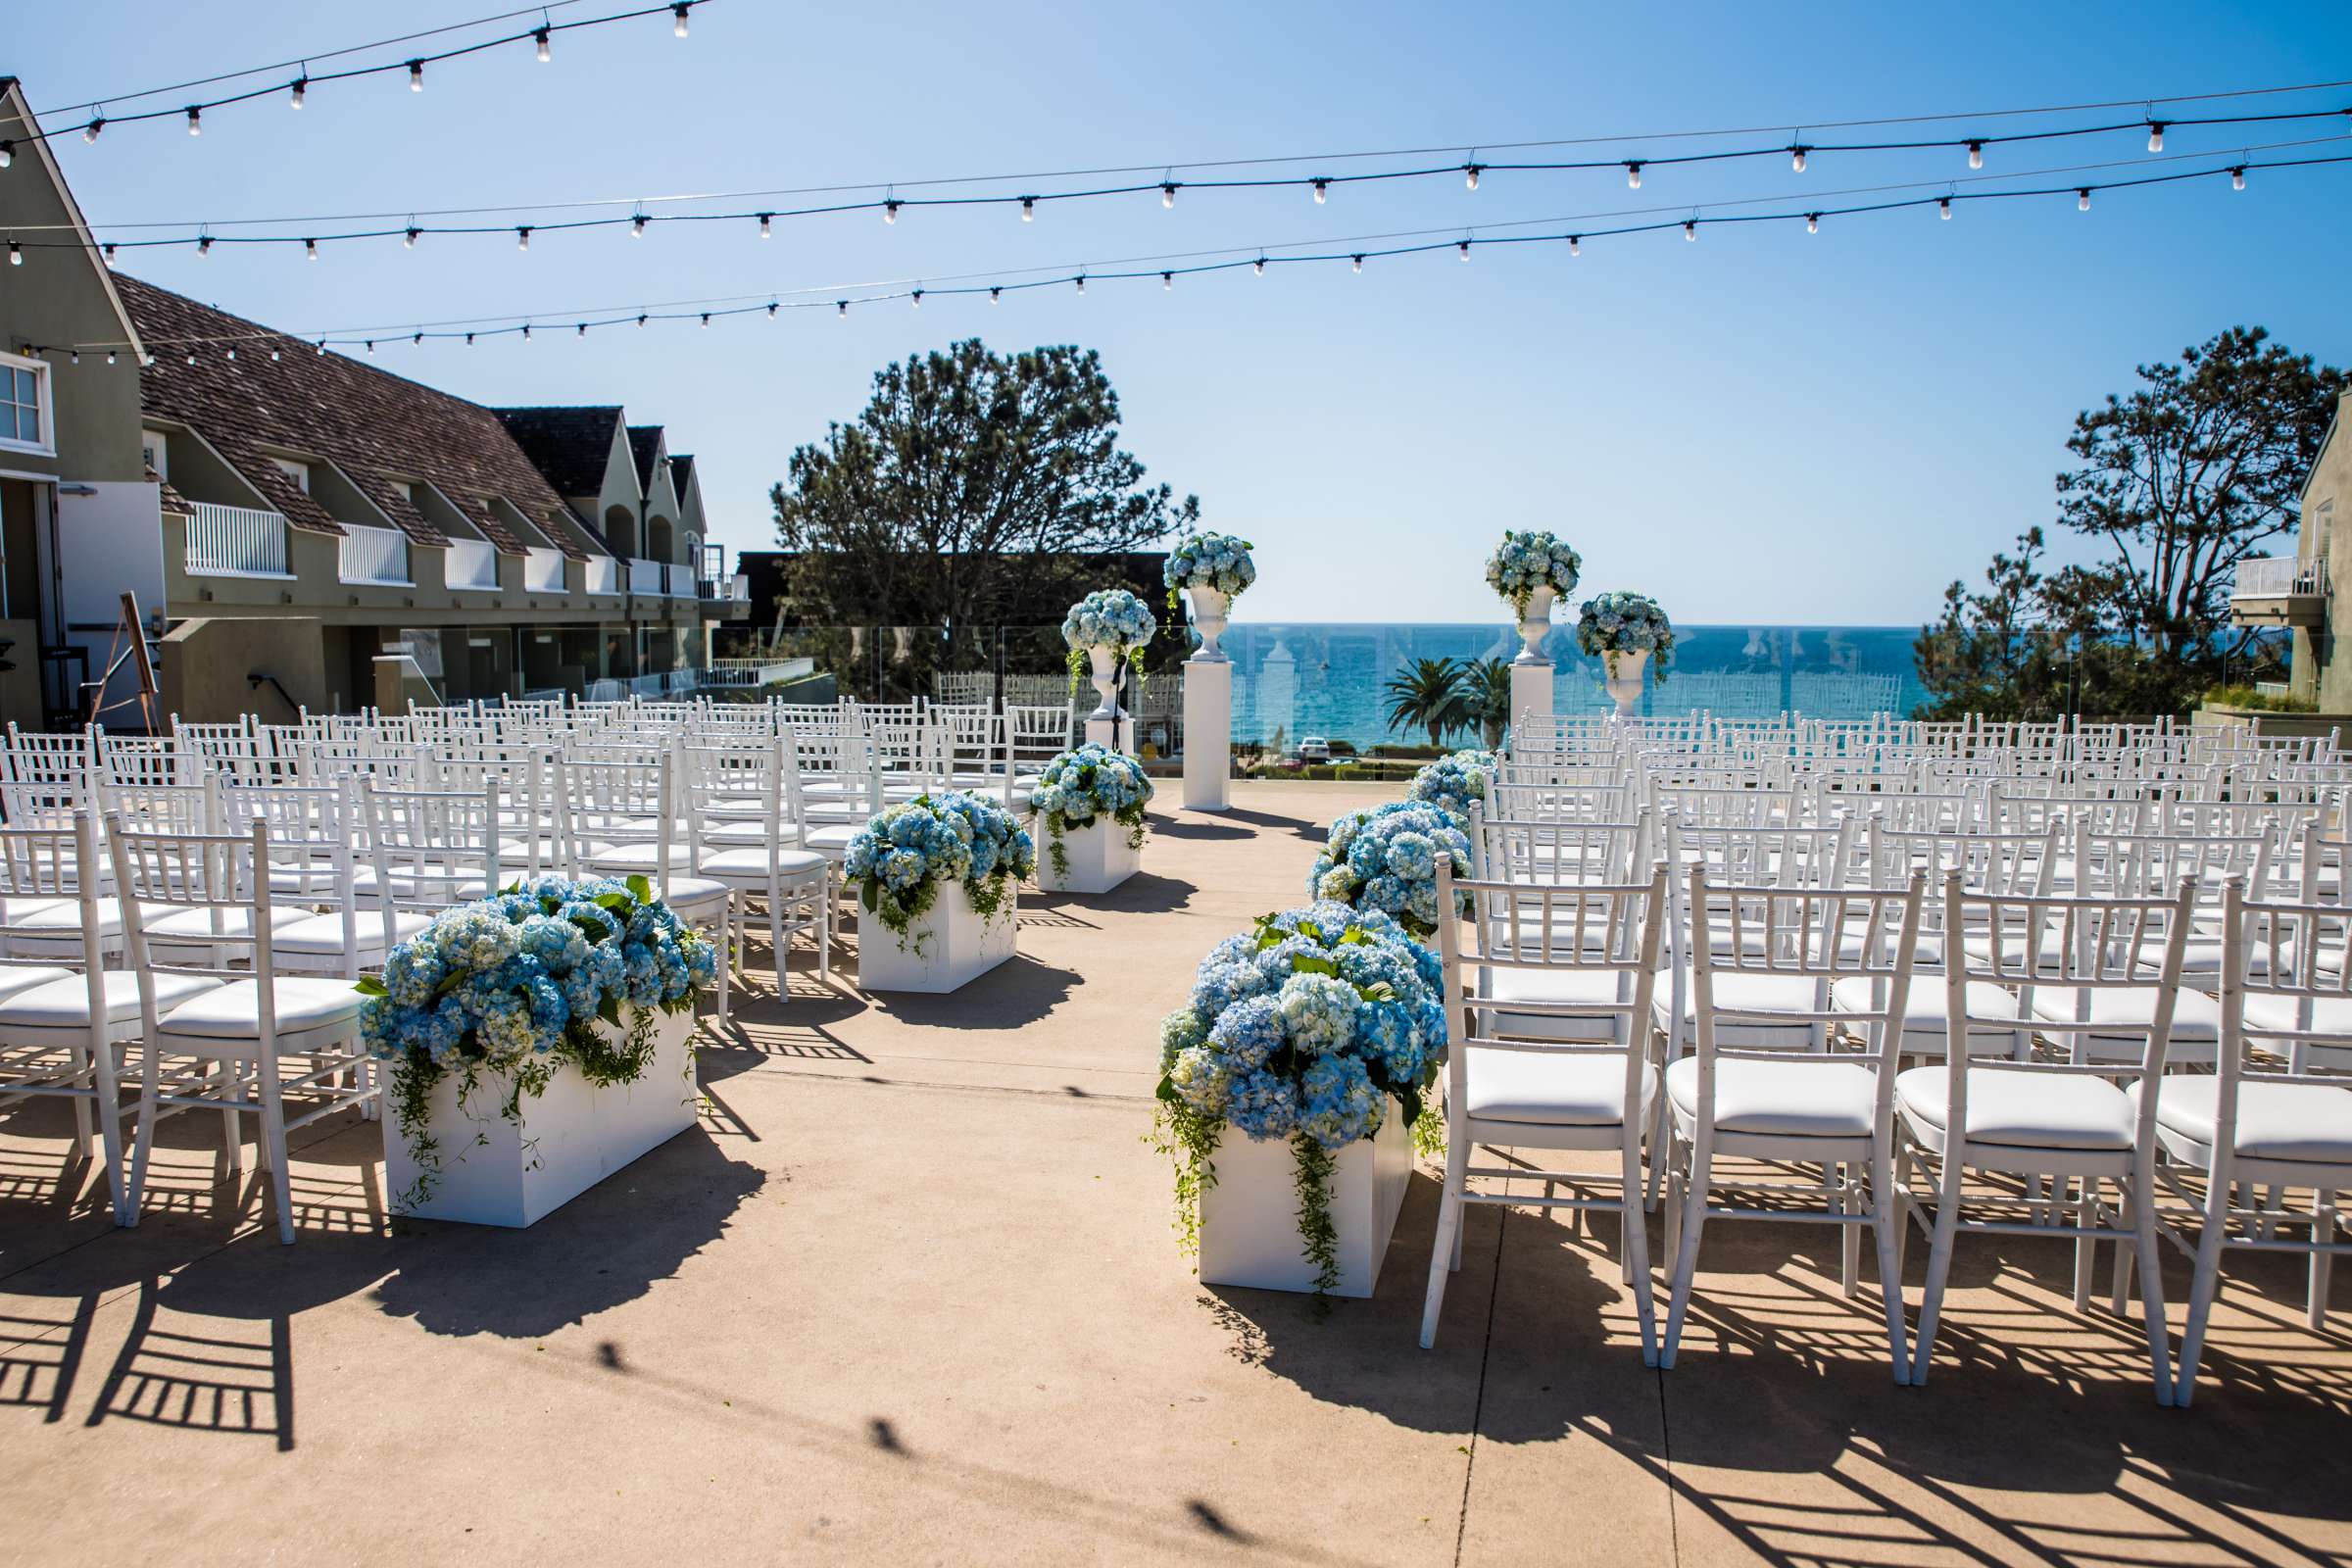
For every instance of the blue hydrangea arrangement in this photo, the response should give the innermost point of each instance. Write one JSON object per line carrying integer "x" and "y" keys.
{"x": 1082, "y": 784}
{"x": 1301, "y": 1029}
{"x": 517, "y": 984}
{"x": 1214, "y": 561}
{"x": 1526, "y": 561}
{"x": 1107, "y": 616}
{"x": 1616, "y": 624}
{"x": 1385, "y": 859}
{"x": 901, "y": 858}
{"x": 1454, "y": 783}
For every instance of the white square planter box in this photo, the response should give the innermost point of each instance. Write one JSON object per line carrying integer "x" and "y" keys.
{"x": 1250, "y": 1218}
{"x": 946, "y": 950}
{"x": 1100, "y": 856}
{"x": 572, "y": 1137}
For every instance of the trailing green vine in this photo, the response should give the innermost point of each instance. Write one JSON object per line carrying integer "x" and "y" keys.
{"x": 1429, "y": 1134}
{"x": 1188, "y": 1139}
{"x": 1312, "y": 1165}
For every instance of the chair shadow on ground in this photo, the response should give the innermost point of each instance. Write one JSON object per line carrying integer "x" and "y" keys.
{"x": 1236, "y": 823}
{"x": 1012, "y": 995}
{"x": 1780, "y": 1376}
{"x": 1140, "y": 893}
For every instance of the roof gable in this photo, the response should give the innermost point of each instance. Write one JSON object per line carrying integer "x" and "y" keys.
{"x": 571, "y": 446}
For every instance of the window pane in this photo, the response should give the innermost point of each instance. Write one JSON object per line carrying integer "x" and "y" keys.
{"x": 28, "y": 424}
{"x": 26, "y": 387}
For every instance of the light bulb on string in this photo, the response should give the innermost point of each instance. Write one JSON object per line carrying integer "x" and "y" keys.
{"x": 542, "y": 39}
{"x": 192, "y": 353}
{"x": 2083, "y": 200}
{"x": 415, "y": 76}
{"x": 2155, "y": 135}
{"x": 1167, "y": 281}
{"x": 1633, "y": 176}
{"x": 1322, "y": 191}
{"x": 296, "y": 90}
{"x": 1258, "y": 266}
{"x": 309, "y": 249}
{"x": 1463, "y": 248}
{"x": 109, "y": 356}
{"x": 841, "y": 308}
{"x": 766, "y": 232}
{"x": 195, "y": 120}
{"x": 2238, "y": 178}
{"x": 772, "y": 306}
{"x": 1470, "y": 173}
{"x": 1797, "y": 159}
{"x": 526, "y": 331}
{"x": 1028, "y": 209}
{"x": 418, "y": 341}
{"x": 1976, "y": 155}
{"x": 706, "y": 321}
{"x": 204, "y": 245}
{"x": 890, "y": 209}
{"x": 16, "y": 254}
{"x": 371, "y": 349}
{"x": 321, "y": 354}
{"x": 74, "y": 358}
{"x": 1358, "y": 261}
{"x": 916, "y": 298}
{"x": 522, "y": 237}
{"x": 1812, "y": 222}
{"x": 233, "y": 353}
{"x": 582, "y": 328}
{"x": 8, "y": 151}
{"x": 996, "y": 294}
{"x": 408, "y": 238}
{"x": 679, "y": 29}
{"x": 1081, "y": 281}
{"x": 469, "y": 340}
{"x": 1943, "y": 208}
{"x": 89, "y": 132}
{"x": 1690, "y": 229}
{"x": 1167, "y": 193}
{"x": 641, "y": 320}
{"x": 637, "y": 226}
{"x": 110, "y": 253}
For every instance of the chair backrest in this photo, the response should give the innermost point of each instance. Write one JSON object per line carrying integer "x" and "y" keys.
{"x": 1557, "y": 851}
{"x": 602, "y": 804}
{"x": 2302, "y": 945}
{"x": 431, "y": 849}
{"x": 157, "y": 873}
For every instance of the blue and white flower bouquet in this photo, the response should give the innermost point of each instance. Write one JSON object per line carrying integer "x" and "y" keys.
{"x": 1616, "y": 624}
{"x": 1454, "y": 783}
{"x": 901, "y": 858}
{"x": 1107, "y": 618}
{"x": 1385, "y": 859}
{"x": 1084, "y": 784}
{"x": 517, "y": 985}
{"x": 1526, "y": 561}
{"x": 1213, "y": 561}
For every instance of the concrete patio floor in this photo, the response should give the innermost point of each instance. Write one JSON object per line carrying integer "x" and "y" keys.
{"x": 909, "y": 1295}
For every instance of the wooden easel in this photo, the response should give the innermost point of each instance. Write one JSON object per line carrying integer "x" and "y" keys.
{"x": 130, "y": 643}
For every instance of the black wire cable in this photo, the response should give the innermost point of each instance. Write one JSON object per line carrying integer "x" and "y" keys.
{"x": 1574, "y": 239}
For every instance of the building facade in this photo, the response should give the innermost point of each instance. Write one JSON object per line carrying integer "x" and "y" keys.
{"x": 2298, "y": 591}
{"x": 296, "y": 528}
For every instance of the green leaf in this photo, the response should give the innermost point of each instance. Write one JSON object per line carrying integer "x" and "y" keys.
{"x": 613, "y": 901}
{"x": 1377, "y": 990}
{"x": 639, "y": 888}
{"x": 1166, "y": 1090}
{"x": 1355, "y": 936}
{"x": 1309, "y": 964}
{"x": 369, "y": 985}
{"x": 871, "y": 894}
{"x": 608, "y": 1009}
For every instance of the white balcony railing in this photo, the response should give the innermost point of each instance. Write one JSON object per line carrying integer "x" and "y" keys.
{"x": 756, "y": 671}
{"x": 2279, "y": 578}
{"x": 543, "y": 570}
{"x": 726, "y": 590}
{"x": 472, "y": 563}
{"x": 604, "y": 574}
{"x": 645, "y": 576}
{"x": 375, "y": 555}
{"x": 681, "y": 579}
{"x": 236, "y": 542}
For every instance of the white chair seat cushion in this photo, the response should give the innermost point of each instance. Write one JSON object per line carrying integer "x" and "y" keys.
{"x": 64, "y": 919}
{"x": 1737, "y": 993}
{"x": 752, "y": 862}
{"x": 433, "y": 887}
{"x": 622, "y": 858}
{"x": 2329, "y": 1015}
{"x": 233, "y": 1011}
{"x": 1553, "y": 1088}
{"x": 1804, "y": 1097}
{"x": 216, "y": 923}
{"x": 686, "y": 892}
{"x": 2022, "y": 1110}
{"x": 730, "y": 833}
{"x": 17, "y": 909}
{"x": 1594, "y": 988}
{"x": 2196, "y": 1016}
{"x": 23, "y": 977}
{"x": 2310, "y": 1122}
{"x": 66, "y": 1004}
{"x": 1924, "y": 1011}
{"x": 315, "y": 934}
{"x": 834, "y": 837}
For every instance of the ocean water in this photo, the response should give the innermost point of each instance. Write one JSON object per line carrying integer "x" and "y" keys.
{"x": 1301, "y": 678}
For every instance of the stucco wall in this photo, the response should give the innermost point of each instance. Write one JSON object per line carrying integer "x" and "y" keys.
{"x": 208, "y": 662}
{"x": 2326, "y": 527}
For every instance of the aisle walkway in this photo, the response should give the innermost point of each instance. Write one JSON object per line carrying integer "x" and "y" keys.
{"x": 910, "y": 1296}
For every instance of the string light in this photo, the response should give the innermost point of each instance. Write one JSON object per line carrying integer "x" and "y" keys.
{"x": 415, "y": 76}
{"x": 273, "y": 356}
{"x": 1322, "y": 191}
{"x": 765, "y": 232}
{"x": 408, "y": 240}
{"x": 771, "y": 313}
{"x": 523, "y": 236}
{"x": 1944, "y": 207}
{"x": 1690, "y": 229}
{"x": 679, "y": 29}
{"x": 74, "y": 359}
{"x": 1028, "y": 209}
{"x": 232, "y": 352}
{"x": 916, "y": 297}
{"x": 1633, "y": 176}
{"x": 195, "y": 120}
{"x": 1976, "y": 155}
{"x": 1167, "y": 193}
{"x": 706, "y": 321}
{"x": 1258, "y": 266}
{"x": 109, "y": 356}
{"x": 583, "y": 327}
{"x": 469, "y": 340}
{"x": 641, "y": 320}
{"x": 637, "y": 226}
{"x": 1812, "y": 222}
{"x": 1576, "y": 244}
{"x": 1167, "y": 281}
{"x": 89, "y": 132}
{"x": 295, "y": 91}
{"x": 1797, "y": 160}
{"x": 890, "y": 209}
{"x": 309, "y": 249}
{"x": 204, "y": 245}
{"x": 542, "y": 37}
{"x": 526, "y": 331}
{"x": 1463, "y": 248}
{"x": 2238, "y": 178}
{"x": 843, "y": 309}
{"x": 8, "y": 151}
{"x": 1470, "y": 173}
{"x": 110, "y": 253}
{"x": 996, "y": 294}
{"x": 418, "y": 341}
{"x": 2083, "y": 200}
{"x": 1358, "y": 261}
{"x": 2155, "y": 135}
{"x": 1081, "y": 282}
{"x": 16, "y": 254}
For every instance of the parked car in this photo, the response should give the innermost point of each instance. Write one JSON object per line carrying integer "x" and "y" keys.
{"x": 1313, "y": 748}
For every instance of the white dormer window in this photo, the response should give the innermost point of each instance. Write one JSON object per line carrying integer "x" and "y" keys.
{"x": 24, "y": 406}
{"x": 156, "y": 453}
{"x": 299, "y": 472}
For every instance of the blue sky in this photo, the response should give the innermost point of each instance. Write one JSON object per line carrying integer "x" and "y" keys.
{"x": 1763, "y": 426}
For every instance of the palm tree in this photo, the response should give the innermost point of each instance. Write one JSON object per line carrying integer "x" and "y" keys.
{"x": 1428, "y": 694}
{"x": 1487, "y": 685}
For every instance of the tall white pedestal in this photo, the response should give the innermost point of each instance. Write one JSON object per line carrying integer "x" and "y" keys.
{"x": 1207, "y": 735}
{"x": 1531, "y": 690}
{"x": 1117, "y": 733}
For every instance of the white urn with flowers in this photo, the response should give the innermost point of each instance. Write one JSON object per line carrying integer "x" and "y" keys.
{"x": 1532, "y": 569}
{"x": 1107, "y": 627}
{"x": 1631, "y": 634}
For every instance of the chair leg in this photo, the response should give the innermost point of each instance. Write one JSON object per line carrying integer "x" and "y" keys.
{"x": 1883, "y": 1223}
{"x": 142, "y": 1138}
{"x": 1939, "y": 1267}
{"x": 2203, "y": 1285}
{"x": 232, "y": 1087}
{"x": 2323, "y": 1263}
{"x": 1634, "y": 1243}
{"x": 726, "y": 923}
{"x": 2151, "y": 1281}
{"x": 2086, "y": 1247}
{"x": 1849, "y": 1236}
{"x": 1686, "y": 1257}
{"x": 2121, "y": 1293}
{"x": 107, "y": 1092}
{"x": 1444, "y": 1252}
{"x": 82, "y": 1069}
{"x": 1659, "y": 1139}
{"x": 274, "y": 1144}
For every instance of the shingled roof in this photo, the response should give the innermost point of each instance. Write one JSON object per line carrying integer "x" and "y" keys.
{"x": 681, "y": 472}
{"x": 569, "y": 445}
{"x": 645, "y": 445}
{"x": 374, "y": 425}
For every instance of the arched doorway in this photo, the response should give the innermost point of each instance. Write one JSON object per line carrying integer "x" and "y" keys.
{"x": 620, "y": 530}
